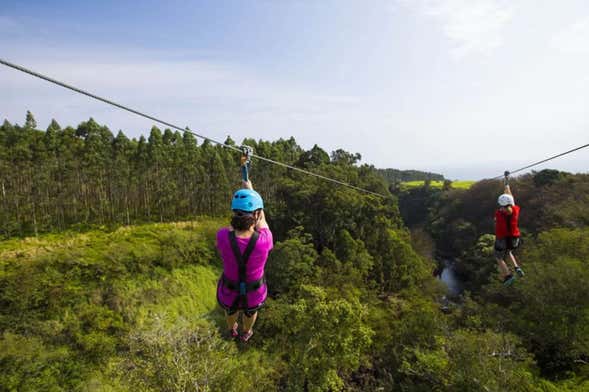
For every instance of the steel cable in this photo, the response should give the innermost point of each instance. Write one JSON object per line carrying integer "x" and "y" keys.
{"x": 186, "y": 129}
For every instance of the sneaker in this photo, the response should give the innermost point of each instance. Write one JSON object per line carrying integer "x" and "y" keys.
{"x": 519, "y": 271}
{"x": 246, "y": 336}
{"x": 509, "y": 279}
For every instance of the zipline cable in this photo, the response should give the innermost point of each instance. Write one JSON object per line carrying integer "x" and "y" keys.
{"x": 62, "y": 84}
{"x": 542, "y": 161}
{"x": 168, "y": 124}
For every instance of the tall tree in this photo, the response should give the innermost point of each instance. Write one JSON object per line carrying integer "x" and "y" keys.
{"x": 30, "y": 122}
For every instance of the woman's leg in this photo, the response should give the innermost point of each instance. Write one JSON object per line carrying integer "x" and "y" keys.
{"x": 248, "y": 322}
{"x": 231, "y": 319}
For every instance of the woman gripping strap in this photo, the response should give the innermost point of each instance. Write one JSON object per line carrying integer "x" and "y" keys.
{"x": 244, "y": 249}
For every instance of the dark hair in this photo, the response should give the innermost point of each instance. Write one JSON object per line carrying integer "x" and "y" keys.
{"x": 243, "y": 220}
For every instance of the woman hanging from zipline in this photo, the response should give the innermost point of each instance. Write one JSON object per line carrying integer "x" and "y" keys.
{"x": 507, "y": 234}
{"x": 244, "y": 248}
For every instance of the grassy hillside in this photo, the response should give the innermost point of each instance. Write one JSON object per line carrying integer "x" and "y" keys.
{"x": 103, "y": 310}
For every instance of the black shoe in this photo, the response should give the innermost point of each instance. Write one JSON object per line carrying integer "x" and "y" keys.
{"x": 520, "y": 271}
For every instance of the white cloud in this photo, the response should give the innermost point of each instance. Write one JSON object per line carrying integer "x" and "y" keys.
{"x": 215, "y": 97}
{"x": 160, "y": 75}
{"x": 574, "y": 38}
{"x": 473, "y": 26}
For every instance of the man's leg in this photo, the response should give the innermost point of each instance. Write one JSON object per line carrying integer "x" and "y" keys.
{"x": 518, "y": 269}
{"x": 500, "y": 254}
{"x": 513, "y": 260}
{"x": 503, "y": 270}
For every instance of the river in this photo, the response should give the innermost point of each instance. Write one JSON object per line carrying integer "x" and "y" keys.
{"x": 449, "y": 277}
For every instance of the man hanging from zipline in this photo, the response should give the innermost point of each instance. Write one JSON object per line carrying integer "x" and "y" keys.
{"x": 507, "y": 234}
{"x": 244, "y": 248}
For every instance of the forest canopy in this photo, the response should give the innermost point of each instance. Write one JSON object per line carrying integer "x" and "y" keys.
{"x": 108, "y": 272}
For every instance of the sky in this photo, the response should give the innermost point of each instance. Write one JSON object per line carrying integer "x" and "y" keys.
{"x": 466, "y": 88}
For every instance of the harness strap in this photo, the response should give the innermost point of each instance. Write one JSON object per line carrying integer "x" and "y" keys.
{"x": 242, "y": 260}
{"x": 251, "y": 286}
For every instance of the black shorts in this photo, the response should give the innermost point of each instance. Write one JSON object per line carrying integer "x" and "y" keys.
{"x": 505, "y": 245}
{"x": 249, "y": 312}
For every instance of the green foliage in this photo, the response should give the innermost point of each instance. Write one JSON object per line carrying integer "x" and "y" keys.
{"x": 182, "y": 356}
{"x": 477, "y": 265}
{"x": 558, "y": 274}
{"x": 68, "y": 302}
{"x": 394, "y": 176}
{"x": 549, "y": 199}
{"x": 291, "y": 264}
{"x": 325, "y": 336}
{"x": 177, "y": 358}
{"x": 352, "y": 306}
{"x": 345, "y": 158}
{"x": 548, "y": 177}
{"x": 313, "y": 158}
{"x": 334, "y": 208}
{"x": 133, "y": 309}
{"x": 353, "y": 263}
{"x": 87, "y": 177}
{"x": 404, "y": 326}
{"x": 30, "y": 122}
{"x": 547, "y": 309}
{"x": 580, "y": 384}
{"x": 418, "y": 351}
{"x": 396, "y": 265}
{"x": 30, "y": 365}
{"x": 488, "y": 361}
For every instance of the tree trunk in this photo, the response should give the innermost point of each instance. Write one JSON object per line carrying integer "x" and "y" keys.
{"x": 35, "y": 220}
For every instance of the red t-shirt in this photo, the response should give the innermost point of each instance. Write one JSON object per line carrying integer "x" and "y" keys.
{"x": 507, "y": 225}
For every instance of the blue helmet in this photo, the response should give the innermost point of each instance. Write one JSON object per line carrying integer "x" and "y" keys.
{"x": 247, "y": 200}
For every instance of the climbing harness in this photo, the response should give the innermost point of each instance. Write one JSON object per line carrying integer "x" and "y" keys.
{"x": 242, "y": 287}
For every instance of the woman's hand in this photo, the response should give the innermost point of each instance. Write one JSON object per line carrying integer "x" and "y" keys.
{"x": 262, "y": 224}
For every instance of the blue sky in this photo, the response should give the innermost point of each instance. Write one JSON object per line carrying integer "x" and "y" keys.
{"x": 468, "y": 88}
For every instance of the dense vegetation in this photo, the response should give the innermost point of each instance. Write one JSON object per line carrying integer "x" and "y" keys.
{"x": 86, "y": 176}
{"x": 395, "y": 176}
{"x": 549, "y": 308}
{"x": 97, "y": 304}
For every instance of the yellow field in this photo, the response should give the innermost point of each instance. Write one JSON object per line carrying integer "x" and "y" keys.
{"x": 439, "y": 184}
